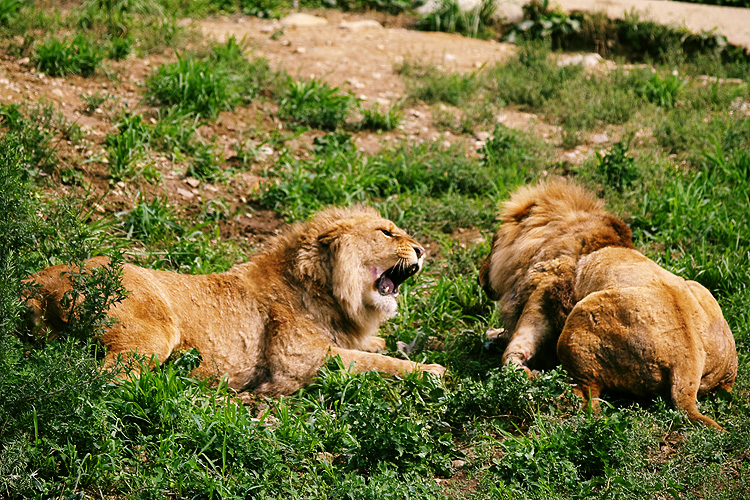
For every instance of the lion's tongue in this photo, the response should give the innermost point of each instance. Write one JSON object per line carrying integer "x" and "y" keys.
{"x": 386, "y": 285}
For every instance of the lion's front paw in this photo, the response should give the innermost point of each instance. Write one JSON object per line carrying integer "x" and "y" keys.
{"x": 374, "y": 344}
{"x": 435, "y": 369}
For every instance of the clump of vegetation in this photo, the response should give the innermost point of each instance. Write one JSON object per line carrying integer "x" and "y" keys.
{"x": 315, "y": 104}
{"x": 431, "y": 85}
{"x": 374, "y": 119}
{"x": 150, "y": 221}
{"x": 80, "y": 55}
{"x": 207, "y": 85}
{"x": 127, "y": 146}
{"x": 662, "y": 91}
{"x": 205, "y": 164}
{"x": 450, "y": 17}
{"x": 9, "y": 11}
{"x": 34, "y": 130}
{"x": 616, "y": 168}
{"x": 541, "y": 22}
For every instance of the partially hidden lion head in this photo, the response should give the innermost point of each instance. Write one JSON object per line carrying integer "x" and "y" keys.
{"x": 552, "y": 220}
{"x": 359, "y": 258}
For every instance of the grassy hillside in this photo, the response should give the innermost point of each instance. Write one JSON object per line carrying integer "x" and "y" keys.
{"x": 123, "y": 132}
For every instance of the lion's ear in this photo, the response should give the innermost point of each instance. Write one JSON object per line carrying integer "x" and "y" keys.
{"x": 522, "y": 211}
{"x": 332, "y": 233}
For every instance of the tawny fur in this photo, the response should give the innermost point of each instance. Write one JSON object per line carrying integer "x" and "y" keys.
{"x": 267, "y": 324}
{"x": 573, "y": 289}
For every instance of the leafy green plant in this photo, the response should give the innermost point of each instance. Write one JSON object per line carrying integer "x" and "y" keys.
{"x": 616, "y": 168}
{"x": 383, "y": 424}
{"x": 33, "y": 129}
{"x": 9, "y": 11}
{"x": 451, "y": 17}
{"x": 662, "y": 91}
{"x": 543, "y": 23}
{"x": 314, "y": 103}
{"x": 265, "y": 9}
{"x": 79, "y": 56}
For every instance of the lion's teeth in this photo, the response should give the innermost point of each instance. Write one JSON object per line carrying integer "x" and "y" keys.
{"x": 387, "y": 289}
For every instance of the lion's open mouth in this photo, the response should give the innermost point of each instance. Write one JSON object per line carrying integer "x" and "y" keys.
{"x": 388, "y": 282}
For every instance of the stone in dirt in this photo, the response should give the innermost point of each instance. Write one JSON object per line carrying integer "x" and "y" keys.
{"x": 358, "y": 25}
{"x": 300, "y": 20}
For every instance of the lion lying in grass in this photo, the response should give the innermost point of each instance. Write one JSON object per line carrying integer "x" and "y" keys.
{"x": 572, "y": 288}
{"x": 321, "y": 288}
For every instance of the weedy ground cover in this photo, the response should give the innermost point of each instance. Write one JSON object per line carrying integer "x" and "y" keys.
{"x": 678, "y": 173}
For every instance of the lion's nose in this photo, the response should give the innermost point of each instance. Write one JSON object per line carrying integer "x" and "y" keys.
{"x": 419, "y": 251}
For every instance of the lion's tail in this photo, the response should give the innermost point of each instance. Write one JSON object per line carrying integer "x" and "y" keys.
{"x": 684, "y": 392}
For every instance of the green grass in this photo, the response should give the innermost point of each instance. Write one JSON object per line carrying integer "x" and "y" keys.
{"x": 80, "y": 55}
{"x": 127, "y": 146}
{"x": 211, "y": 83}
{"x": 313, "y": 103}
{"x": 676, "y": 168}
{"x": 375, "y": 119}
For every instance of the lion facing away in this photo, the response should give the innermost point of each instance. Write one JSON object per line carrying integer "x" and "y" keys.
{"x": 572, "y": 288}
{"x": 320, "y": 288}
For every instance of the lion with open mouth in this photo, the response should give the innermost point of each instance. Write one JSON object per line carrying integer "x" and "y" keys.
{"x": 572, "y": 289}
{"x": 320, "y": 288}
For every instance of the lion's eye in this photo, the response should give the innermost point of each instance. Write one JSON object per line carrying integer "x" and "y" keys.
{"x": 386, "y": 232}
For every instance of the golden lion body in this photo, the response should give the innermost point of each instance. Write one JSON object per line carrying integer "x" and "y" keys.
{"x": 321, "y": 288}
{"x": 572, "y": 288}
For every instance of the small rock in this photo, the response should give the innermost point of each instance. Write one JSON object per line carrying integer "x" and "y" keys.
{"x": 300, "y": 20}
{"x": 599, "y": 138}
{"x": 192, "y": 182}
{"x": 362, "y": 24}
{"x": 24, "y": 60}
{"x": 585, "y": 60}
{"x": 184, "y": 193}
{"x": 483, "y": 136}
{"x": 448, "y": 57}
{"x": 300, "y": 50}
{"x": 457, "y": 464}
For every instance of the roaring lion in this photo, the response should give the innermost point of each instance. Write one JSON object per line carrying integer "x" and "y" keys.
{"x": 572, "y": 289}
{"x": 320, "y": 288}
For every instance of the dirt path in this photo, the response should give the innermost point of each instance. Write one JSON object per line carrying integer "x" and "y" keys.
{"x": 732, "y": 22}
